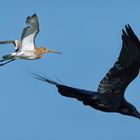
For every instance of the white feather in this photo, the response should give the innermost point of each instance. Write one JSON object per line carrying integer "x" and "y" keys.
{"x": 28, "y": 42}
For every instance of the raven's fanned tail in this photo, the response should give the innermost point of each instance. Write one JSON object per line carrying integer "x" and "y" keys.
{"x": 80, "y": 94}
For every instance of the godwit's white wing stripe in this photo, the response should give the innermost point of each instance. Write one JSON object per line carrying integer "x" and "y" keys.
{"x": 29, "y": 33}
{"x": 28, "y": 42}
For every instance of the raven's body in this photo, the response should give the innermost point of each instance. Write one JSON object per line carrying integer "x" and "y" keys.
{"x": 110, "y": 94}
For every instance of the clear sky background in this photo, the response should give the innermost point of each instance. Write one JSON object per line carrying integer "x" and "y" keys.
{"x": 88, "y": 33}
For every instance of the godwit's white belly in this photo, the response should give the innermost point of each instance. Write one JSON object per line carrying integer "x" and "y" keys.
{"x": 27, "y": 54}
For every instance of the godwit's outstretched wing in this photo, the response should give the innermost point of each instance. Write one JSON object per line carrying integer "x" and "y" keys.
{"x": 29, "y": 33}
{"x": 126, "y": 68}
{"x": 8, "y": 42}
{"x": 17, "y": 43}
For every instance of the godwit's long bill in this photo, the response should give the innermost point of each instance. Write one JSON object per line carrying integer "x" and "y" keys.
{"x": 26, "y": 48}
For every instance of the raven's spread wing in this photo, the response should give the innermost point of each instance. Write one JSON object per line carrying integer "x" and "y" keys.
{"x": 126, "y": 68}
{"x": 29, "y": 33}
{"x": 79, "y": 94}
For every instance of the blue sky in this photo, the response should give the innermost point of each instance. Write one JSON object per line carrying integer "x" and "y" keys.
{"x": 88, "y": 33}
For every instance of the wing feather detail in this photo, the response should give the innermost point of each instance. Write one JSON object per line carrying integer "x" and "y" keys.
{"x": 16, "y": 43}
{"x": 29, "y": 33}
{"x": 126, "y": 68}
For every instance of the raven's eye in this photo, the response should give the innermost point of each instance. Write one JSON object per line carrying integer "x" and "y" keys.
{"x": 111, "y": 90}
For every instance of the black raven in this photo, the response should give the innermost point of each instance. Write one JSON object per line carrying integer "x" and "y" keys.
{"x": 110, "y": 94}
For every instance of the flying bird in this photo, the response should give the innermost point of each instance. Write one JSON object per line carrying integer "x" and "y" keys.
{"x": 110, "y": 93}
{"x": 26, "y": 48}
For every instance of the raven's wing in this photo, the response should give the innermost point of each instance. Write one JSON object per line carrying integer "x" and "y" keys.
{"x": 79, "y": 94}
{"x": 126, "y": 68}
{"x": 29, "y": 33}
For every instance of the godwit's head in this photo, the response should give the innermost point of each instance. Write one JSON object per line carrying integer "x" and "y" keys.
{"x": 45, "y": 50}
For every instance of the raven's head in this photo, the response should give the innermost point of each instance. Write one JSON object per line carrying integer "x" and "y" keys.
{"x": 128, "y": 109}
